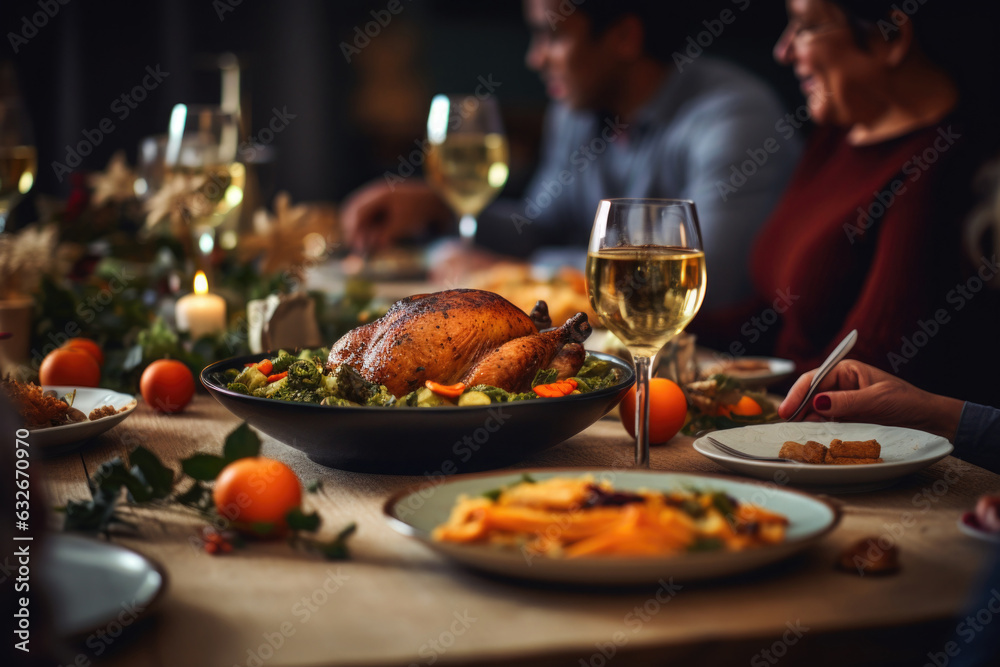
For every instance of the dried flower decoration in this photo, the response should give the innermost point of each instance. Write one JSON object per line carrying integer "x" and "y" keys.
{"x": 292, "y": 239}
{"x": 25, "y": 257}
{"x": 115, "y": 184}
{"x": 179, "y": 201}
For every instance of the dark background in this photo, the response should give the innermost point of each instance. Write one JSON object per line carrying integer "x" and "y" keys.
{"x": 353, "y": 120}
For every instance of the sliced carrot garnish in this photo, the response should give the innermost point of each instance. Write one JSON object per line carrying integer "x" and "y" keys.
{"x": 447, "y": 390}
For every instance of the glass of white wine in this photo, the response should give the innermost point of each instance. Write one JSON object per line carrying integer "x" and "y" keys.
{"x": 646, "y": 281}
{"x": 467, "y": 155}
{"x": 18, "y": 161}
{"x": 200, "y": 160}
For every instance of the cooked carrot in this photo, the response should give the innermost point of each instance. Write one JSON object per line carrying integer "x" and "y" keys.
{"x": 658, "y": 524}
{"x": 556, "y": 389}
{"x": 446, "y": 390}
{"x": 265, "y": 367}
{"x": 276, "y": 377}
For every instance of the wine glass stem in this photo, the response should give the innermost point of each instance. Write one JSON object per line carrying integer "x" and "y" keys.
{"x": 642, "y": 375}
{"x": 467, "y": 226}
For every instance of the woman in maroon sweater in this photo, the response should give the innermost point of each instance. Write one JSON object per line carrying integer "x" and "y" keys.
{"x": 868, "y": 233}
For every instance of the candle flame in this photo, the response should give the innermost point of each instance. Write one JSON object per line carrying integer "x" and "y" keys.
{"x": 200, "y": 283}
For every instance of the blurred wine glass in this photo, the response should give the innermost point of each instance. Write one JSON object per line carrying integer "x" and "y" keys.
{"x": 467, "y": 157}
{"x": 18, "y": 160}
{"x": 200, "y": 159}
{"x": 646, "y": 281}
{"x": 150, "y": 168}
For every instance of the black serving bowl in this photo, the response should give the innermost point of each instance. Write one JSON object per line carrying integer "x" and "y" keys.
{"x": 444, "y": 440}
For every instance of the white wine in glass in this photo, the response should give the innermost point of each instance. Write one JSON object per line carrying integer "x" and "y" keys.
{"x": 646, "y": 281}
{"x": 467, "y": 155}
{"x": 201, "y": 152}
{"x": 18, "y": 160}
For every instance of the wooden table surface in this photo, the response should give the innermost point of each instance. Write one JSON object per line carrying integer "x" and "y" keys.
{"x": 397, "y": 603}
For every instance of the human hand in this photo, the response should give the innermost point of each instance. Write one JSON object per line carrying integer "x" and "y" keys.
{"x": 453, "y": 261}
{"x": 856, "y": 392}
{"x": 376, "y": 215}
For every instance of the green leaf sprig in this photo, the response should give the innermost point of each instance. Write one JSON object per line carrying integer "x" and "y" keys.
{"x": 148, "y": 483}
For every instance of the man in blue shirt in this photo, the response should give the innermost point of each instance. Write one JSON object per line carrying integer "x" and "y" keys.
{"x": 637, "y": 112}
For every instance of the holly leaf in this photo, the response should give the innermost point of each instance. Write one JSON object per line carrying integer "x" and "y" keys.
{"x": 158, "y": 477}
{"x": 240, "y": 444}
{"x": 89, "y": 516}
{"x": 337, "y": 549}
{"x": 299, "y": 520}
{"x": 113, "y": 475}
{"x": 203, "y": 467}
{"x": 198, "y": 496}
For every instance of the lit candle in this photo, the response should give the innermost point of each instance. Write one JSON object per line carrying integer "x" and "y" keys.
{"x": 201, "y": 313}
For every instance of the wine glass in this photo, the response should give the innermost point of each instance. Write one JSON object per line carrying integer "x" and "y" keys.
{"x": 150, "y": 167}
{"x": 200, "y": 161}
{"x": 18, "y": 160}
{"x": 467, "y": 155}
{"x": 646, "y": 281}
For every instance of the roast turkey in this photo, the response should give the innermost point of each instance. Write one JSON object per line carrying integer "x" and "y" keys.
{"x": 459, "y": 335}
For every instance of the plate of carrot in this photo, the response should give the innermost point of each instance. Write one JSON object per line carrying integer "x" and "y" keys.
{"x": 610, "y": 527}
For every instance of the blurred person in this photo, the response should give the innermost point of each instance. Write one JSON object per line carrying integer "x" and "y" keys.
{"x": 636, "y": 112}
{"x": 868, "y": 235}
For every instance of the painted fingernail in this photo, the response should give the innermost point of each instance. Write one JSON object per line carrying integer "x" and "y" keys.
{"x": 822, "y": 402}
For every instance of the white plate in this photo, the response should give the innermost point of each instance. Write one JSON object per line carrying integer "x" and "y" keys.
{"x": 710, "y": 363}
{"x": 60, "y": 439}
{"x": 904, "y": 451}
{"x": 417, "y": 511}
{"x": 94, "y": 584}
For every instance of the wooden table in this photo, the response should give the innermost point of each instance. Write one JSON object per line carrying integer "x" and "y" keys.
{"x": 397, "y": 603}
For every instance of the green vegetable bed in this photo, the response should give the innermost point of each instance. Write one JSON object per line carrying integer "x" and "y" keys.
{"x": 307, "y": 381}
